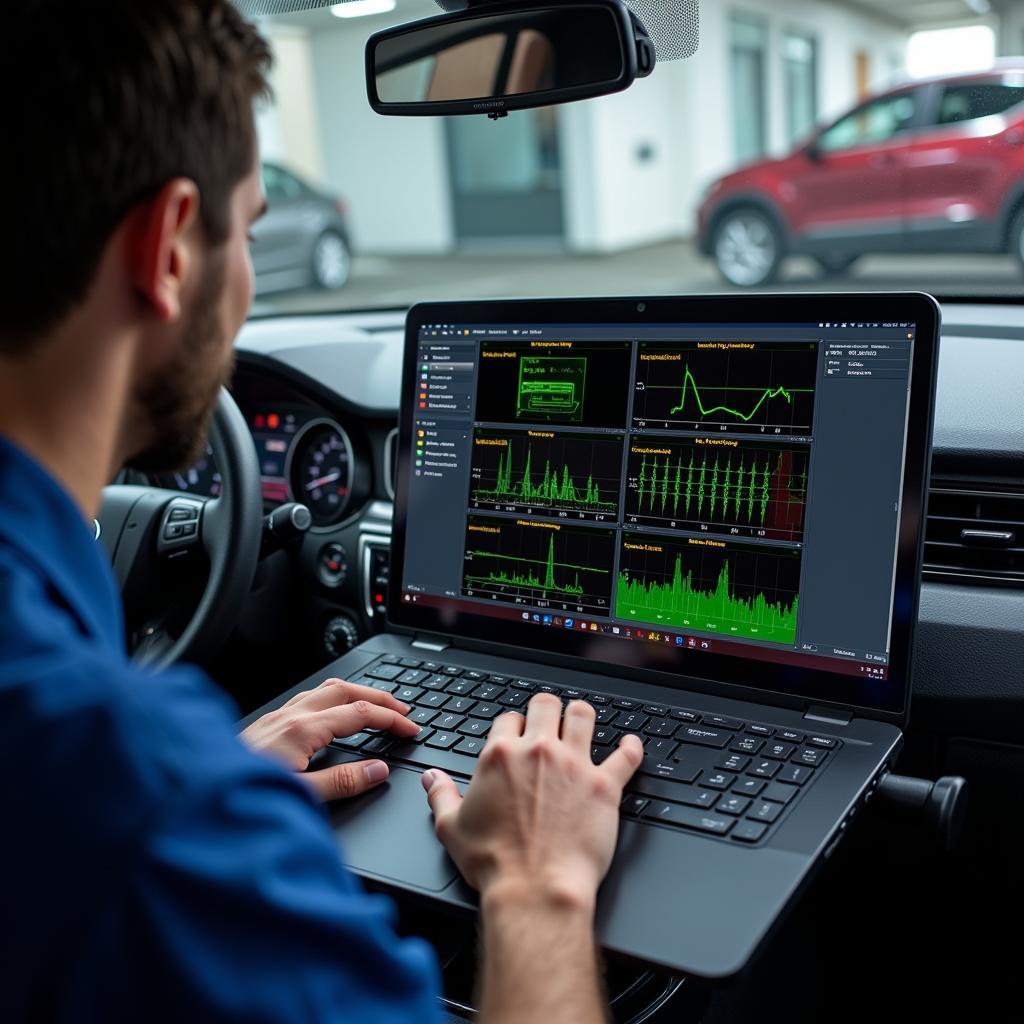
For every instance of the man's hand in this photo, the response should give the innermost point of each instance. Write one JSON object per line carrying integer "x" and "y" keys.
{"x": 310, "y": 720}
{"x": 539, "y": 813}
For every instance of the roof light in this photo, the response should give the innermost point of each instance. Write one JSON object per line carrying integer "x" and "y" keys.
{"x": 360, "y": 8}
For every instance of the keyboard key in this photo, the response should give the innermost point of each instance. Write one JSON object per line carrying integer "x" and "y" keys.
{"x": 500, "y": 680}
{"x": 749, "y": 787}
{"x": 723, "y": 722}
{"x": 573, "y": 695}
{"x": 661, "y": 727}
{"x": 425, "y": 733}
{"x": 812, "y": 756}
{"x": 670, "y": 768}
{"x": 606, "y": 735}
{"x": 452, "y": 670}
{"x": 411, "y": 677}
{"x": 378, "y": 684}
{"x": 686, "y": 716}
{"x": 630, "y": 721}
{"x": 487, "y": 711}
{"x": 410, "y": 662}
{"x": 749, "y": 831}
{"x": 790, "y": 736}
{"x": 626, "y": 705}
{"x": 598, "y": 752}
{"x": 779, "y": 792}
{"x": 515, "y": 698}
{"x": 694, "y": 796}
{"x": 597, "y": 699}
{"x": 716, "y": 780}
{"x": 422, "y": 716}
{"x": 703, "y": 737}
{"x": 747, "y": 745}
{"x": 448, "y": 721}
{"x": 778, "y": 751}
{"x": 761, "y": 730}
{"x": 462, "y": 705}
{"x": 477, "y": 677}
{"x": 764, "y": 810}
{"x": 688, "y": 817}
{"x": 434, "y": 699}
{"x": 633, "y": 805}
{"x": 548, "y": 688}
{"x": 656, "y": 709}
{"x": 471, "y": 745}
{"x": 377, "y": 745}
{"x": 764, "y": 769}
{"x": 822, "y": 741}
{"x": 733, "y": 804}
{"x": 656, "y": 749}
{"x": 605, "y": 715}
{"x": 408, "y": 694}
{"x": 352, "y": 742}
{"x": 794, "y": 773}
{"x": 460, "y": 686}
{"x": 436, "y": 682}
{"x": 488, "y": 691}
{"x": 430, "y": 666}
{"x": 523, "y": 684}
{"x": 386, "y": 672}
{"x": 391, "y": 659}
{"x": 733, "y": 762}
{"x": 475, "y": 727}
{"x": 443, "y": 740}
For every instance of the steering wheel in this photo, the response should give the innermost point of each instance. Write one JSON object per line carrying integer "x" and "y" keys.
{"x": 162, "y": 542}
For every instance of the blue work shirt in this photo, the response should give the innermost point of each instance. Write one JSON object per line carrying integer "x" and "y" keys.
{"x": 152, "y": 868}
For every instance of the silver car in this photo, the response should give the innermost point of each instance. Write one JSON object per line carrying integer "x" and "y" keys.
{"x": 303, "y": 239}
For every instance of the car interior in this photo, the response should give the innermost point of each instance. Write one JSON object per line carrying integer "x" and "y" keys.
{"x": 657, "y": 150}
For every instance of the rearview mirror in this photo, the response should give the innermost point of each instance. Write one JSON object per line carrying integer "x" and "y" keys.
{"x": 499, "y": 57}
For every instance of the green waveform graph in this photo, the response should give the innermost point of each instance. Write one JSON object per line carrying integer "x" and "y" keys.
{"x": 554, "y": 488}
{"x": 522, "y": 562}
{"x": 726, "y": 600}
{"x": 746, "y": 417}
{"x": 763, "y": 489}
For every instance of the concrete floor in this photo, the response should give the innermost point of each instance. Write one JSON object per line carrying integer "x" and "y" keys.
{"x": 667, "y": 268}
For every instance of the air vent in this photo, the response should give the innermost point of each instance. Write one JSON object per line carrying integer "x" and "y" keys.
{"x": 975, "y": 536}
{"x": 391, "y": 462}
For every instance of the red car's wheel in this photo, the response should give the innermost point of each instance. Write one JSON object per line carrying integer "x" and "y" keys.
{"x": 747, "y": 247}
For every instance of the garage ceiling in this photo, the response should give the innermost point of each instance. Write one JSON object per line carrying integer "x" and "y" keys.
{"x": 917, "y": 14}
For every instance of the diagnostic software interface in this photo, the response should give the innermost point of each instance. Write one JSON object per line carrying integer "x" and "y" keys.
{"x": 720, "y": 488}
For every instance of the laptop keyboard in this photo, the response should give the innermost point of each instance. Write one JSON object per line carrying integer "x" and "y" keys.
{"x": 707, "y": 773}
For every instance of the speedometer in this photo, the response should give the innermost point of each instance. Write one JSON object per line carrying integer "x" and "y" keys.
{"x": 320, "y": 470}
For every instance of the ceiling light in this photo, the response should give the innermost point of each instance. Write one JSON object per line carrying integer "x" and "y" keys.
{"x": 360, "y": 8}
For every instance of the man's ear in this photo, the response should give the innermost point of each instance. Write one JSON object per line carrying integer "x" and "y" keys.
{"x": 164, "y": 244}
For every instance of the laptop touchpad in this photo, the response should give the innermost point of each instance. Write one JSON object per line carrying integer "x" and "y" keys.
{"x": 389, "y": 832}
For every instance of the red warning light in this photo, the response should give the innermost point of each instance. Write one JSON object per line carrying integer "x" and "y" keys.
{"x": 273, "y": 421}
{"x": 259, "y": 421}
{"x": 379, "y": 598}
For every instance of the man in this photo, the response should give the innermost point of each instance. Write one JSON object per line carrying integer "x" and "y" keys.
{"x": 153, "y": 867}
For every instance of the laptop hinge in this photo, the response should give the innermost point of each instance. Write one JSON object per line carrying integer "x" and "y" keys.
{"x": 833, "y": 716}
{"x": 430, "y": 643}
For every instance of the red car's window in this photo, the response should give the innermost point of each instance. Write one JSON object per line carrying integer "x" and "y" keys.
{"x": 871, "y": 124}
{"x": 977, "y": 99}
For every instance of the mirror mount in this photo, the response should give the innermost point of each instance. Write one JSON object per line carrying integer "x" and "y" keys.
{"x": 494, "y": 56}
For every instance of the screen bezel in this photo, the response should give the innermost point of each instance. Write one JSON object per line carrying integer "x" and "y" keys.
{"x": 701, "y": 671}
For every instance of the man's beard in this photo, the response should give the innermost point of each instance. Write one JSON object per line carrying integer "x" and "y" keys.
{"x": 178, "y": 402}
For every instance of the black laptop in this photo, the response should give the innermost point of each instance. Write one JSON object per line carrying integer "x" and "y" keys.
{"x": 701, "y": 515}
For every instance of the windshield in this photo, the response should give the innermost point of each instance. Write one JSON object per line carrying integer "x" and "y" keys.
{"x": 805, "y": 146}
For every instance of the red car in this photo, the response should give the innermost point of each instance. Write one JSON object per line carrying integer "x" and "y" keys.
{"x": 931, "y": 166}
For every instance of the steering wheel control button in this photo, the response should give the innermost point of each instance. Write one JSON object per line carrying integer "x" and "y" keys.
{"x": 179, "y": 513}
{"x": 332, "y": 565}
{"x": 179, "y": 527}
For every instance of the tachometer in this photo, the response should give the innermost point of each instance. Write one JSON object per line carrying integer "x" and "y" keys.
{"x": 320, "y": 470}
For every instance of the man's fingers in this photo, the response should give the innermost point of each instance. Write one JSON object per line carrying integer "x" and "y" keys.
{"x": 442, "y": 794}
{"x": 578, "y": 725}
{"x": 352, "y": 718}
{"x": 337, "y": 692}
{"x": 624, "y": 760}
{"x": 542, "y": 715}
{"x": 508, "y": 725}
{"x": 345, "y": 780}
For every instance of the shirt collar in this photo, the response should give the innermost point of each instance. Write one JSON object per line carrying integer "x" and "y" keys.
{"x": 39, "y": 520}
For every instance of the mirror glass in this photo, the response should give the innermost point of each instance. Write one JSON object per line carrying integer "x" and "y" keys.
{"x": 499, "y": 55}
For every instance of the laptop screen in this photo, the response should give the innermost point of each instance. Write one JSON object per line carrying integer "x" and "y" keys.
{"x": 670, "y": 491}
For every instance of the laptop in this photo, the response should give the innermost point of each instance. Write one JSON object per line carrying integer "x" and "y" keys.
{"x": 703, "y": 515}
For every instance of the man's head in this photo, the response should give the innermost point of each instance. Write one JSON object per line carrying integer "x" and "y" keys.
{"x": 133, "y": 179}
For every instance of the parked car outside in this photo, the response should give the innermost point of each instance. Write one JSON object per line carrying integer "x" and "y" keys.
{"x": 303, "y": 240}
{"x": 929, "y": 166}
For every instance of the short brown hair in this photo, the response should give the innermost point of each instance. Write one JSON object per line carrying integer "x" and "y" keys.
{"x": 107, "y": 101}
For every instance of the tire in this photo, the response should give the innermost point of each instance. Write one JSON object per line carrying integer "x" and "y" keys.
{"x": 1017, "y": 238}
{"x": 330, "y": 262}
{"x": 835, "y": 264}
{"x": 747, "y": 247}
